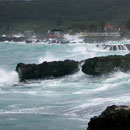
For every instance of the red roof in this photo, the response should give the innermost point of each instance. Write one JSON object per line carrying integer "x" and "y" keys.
{"x": 108, "y": 26}
{"x": 53, "y": 35}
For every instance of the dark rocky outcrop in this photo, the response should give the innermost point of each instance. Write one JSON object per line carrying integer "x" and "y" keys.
{"x": 114, "y": 47}
{"x": 103, "y": 65}
{"x": 14, "y": 39}
{"x": 46, "y": 69}
{"x": 113, "y": 118}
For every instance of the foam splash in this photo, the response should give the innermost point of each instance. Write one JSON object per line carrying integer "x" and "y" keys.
{"x": 8, "y": 78}
{"x": 117, "y": 76}
{"x": 97, "y": 102}
{"x": 76, "y": 38}
{"x": 80, "y": 49}
{"x": 115, "y": 80}
{"x": 81, "y": 52}
{"x": 48, "y": 57}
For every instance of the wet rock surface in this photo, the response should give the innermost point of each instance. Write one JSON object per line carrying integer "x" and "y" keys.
{"x": 114, "y": 47}
{"x": 104, "y": 65}
{"x": 14, "y": 39}
{"x": 113, "y": 118}
{"x": 46, "y": 69}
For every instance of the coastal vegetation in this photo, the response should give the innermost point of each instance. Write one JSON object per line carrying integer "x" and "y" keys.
{"x": 40, "y": 15}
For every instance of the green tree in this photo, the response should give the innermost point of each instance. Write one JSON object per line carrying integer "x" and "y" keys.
{"x": 128, "y": 24}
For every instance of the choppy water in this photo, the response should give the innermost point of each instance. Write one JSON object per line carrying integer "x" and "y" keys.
{"x": 65, "y": 103}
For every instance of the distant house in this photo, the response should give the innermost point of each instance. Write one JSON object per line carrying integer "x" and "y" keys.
{"x": 108, "y": 27}
{"x": 55, "y": 33}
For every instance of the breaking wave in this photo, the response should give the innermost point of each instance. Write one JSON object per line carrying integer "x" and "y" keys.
{"x": 8, "y": 78}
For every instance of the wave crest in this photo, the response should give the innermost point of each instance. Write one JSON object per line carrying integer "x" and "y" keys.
{"x": 8, "y": 78}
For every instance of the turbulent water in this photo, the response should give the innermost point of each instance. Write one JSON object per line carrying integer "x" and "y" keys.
{"x": 65, "y": 103}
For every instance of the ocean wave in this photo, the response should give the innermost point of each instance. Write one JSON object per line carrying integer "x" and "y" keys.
{"x": 32, "y": 110}
{"x": 47, "y": 57}
{"x": 88, "y": 105}
{"x": 8, "y": 78}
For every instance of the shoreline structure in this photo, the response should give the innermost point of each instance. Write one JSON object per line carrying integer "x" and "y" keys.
{"x": 89, "y": 37}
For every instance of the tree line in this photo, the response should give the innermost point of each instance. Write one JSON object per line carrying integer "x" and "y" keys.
{"x": 83, "y": 14}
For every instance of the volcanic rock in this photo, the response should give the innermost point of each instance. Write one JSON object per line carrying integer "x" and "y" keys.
{"x": 114, "y": 47}
{"x": 104, "y": 65}
{"x": 113, "y": 118}
{"x": 14, "y": 39}
{"x": 46, "y": 69}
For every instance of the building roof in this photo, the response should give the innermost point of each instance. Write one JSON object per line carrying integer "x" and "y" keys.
{"x": 108, "y": 26}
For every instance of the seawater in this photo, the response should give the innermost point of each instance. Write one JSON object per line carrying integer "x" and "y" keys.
{"x": 65, "y": 103}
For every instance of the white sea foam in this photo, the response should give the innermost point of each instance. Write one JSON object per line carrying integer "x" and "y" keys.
{"x": 82, "y": 52}
{"x": 80, "y": 49}
{"x": 95, "y": 102}
{"x": 74, "y": 38}
{"x": 114, "y": 81}
{"x": 48, "y": 57}
{"x": 8, "y": 78}
{"x": 30, "y": 92}
{"x": 117, "y": 76}
{"x": 32, "y": 110}
{"x": 105, "y": 87}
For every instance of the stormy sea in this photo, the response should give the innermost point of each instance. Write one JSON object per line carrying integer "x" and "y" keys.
{"x": 65, "y": 103}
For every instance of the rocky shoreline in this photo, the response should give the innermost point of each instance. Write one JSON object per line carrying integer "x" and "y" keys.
{"x": 114, "y": 117}
{"x": 114, "y": 47}
{"x": 46, "y": 70}
{"x": 105, "y": 65}
{"x": 93, "y": 66}
{"x": 46, "y": 39}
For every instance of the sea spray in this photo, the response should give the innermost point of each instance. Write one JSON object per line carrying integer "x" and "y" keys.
{"x": 65, "y": 103}
{"x": 8, "y": 78}
{"x": 48, "y": 57}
